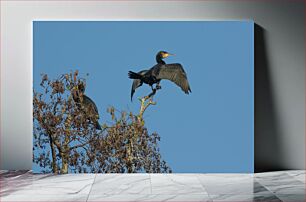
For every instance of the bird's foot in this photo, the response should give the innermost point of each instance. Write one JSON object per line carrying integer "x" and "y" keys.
{"x": 152, "y": 102}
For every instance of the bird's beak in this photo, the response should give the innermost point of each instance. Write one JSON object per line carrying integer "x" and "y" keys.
{"x": 167, "y": 55}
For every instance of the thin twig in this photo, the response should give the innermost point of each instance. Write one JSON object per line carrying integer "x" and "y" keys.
{"x": 145, "y": 103}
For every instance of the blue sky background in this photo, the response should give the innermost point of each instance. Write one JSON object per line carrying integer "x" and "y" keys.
{"x": 210, "y": 130}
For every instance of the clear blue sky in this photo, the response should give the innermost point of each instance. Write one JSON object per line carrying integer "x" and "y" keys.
{"x": 210, "y": 130}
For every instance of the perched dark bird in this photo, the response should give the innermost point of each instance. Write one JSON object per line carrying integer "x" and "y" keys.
{"x": 173, "y": 72}
{"x": 83, "y": 102}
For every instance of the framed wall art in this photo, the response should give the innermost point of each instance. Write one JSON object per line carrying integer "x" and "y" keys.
{"x": 143, "y": 96}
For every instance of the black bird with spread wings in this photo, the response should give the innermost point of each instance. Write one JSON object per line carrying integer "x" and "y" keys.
{"x": 86, "y": 104}
{"x": 173, "y": 72}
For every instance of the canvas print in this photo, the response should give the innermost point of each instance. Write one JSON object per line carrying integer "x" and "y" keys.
{"x": 143, "y": 97}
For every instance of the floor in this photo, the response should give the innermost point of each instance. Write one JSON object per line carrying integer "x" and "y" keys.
{"x": 270, "y": 186}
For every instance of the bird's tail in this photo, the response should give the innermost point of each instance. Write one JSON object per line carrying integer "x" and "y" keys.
{"x": 133, "y": 75}
{"x": 98, "y": 126}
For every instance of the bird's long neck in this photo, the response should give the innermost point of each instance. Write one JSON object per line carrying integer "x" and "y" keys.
{"x": 159, "y": 59}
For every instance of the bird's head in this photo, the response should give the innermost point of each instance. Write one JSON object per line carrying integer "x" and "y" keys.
{"x": 78, "y": 91}
{"x": 81, "y": 87}
{"x": 164, "y": 54}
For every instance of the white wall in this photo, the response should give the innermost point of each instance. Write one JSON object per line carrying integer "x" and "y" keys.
{"x": 280, "y": 89}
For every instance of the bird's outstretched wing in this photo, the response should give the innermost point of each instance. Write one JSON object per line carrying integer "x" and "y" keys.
{"x": 137, "y": 83}
{"x": 175, "y": 73}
